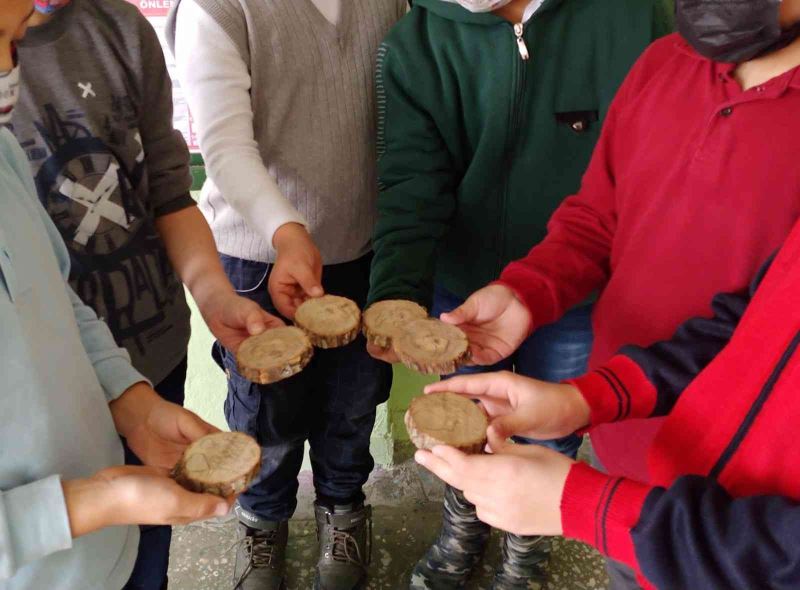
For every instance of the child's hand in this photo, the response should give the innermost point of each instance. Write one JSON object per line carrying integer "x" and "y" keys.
{"x": 520, "y": 406}
{"x": 518, "y": 489}
{"x": 382, "y": 354}
{"x": 156, "y": 430}
{"x": 128, "y": 495}
{"x": 297, "y": 274}
{"x": 494, "y": 320}
{"x": 233, "y": 318}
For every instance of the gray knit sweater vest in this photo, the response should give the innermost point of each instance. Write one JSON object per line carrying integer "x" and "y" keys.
{"x": 314, "y": 117}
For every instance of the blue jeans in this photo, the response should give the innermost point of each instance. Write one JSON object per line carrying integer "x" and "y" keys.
{"x": 553, "y": 353}
{"x": 331, "y": 404}
{"x": 152, "y": 562}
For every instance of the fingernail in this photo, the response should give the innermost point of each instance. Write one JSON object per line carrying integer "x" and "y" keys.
{"x": 222, "y": 510}
{"x": 257, "y": 328}
{"x": 420, "y": 457}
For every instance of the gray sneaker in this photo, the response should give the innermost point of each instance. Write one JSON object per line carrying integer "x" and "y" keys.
{"x": 260, "y": 554}
{"x": 523, "y": 560}
{"x": 450, "y": 561}
{"x": 345, "y": 547}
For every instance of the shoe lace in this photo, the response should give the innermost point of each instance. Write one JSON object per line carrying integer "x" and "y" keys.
{"x": 260, "y": 550}
{"x": 345, "y": 547}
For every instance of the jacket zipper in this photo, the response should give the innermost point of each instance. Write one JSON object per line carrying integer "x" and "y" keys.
{"x": 519, "y": 30}
{"x": 517, "y": 91}
{"x": 755, "y": 409}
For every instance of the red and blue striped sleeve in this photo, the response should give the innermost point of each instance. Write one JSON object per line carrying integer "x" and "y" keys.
{"x": 647, "y": 382}
{"x": 690, "y": 535}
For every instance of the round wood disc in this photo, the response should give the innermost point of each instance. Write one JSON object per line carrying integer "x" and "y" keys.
{"x": 330, "y": 321}
{"x": 274, "y": 355}
{"x": 432, "y": 347}
{"x": 223, "y": 464}
{"x": 447, "y": 419}
{"x": 385, "y": 319}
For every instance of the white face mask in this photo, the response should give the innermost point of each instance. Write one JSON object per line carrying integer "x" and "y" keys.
{"x": 9, "y": 92}
{"x": 480, "y": 5}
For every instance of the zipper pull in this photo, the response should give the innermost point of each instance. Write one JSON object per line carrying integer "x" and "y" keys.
{"x": 523, "y": 49}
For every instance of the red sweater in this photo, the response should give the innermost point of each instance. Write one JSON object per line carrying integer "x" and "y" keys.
{"x": 726, "y": 464}
{"x": 692, "y": 185}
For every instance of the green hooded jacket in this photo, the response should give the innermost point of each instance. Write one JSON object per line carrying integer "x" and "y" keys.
{"x": 485, "y": 127}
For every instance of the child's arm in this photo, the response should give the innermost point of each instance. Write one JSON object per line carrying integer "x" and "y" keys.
{"x": 189, "y": 243}
{"x": 647, "y": 382}
{"x": 215, "y": 76}
{"x": 637, "y": 383}
{"x": 41, "y": 517}
{"x": 164, "y": 151}
{"x": 417, "y": 187}
{"x": 192, "y": 252}
{"x": 690, "y": 535}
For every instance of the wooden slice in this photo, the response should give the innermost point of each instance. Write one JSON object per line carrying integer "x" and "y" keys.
{"x": 385, "y": 319}
{"x": 222, "y": 464}
{"x": 432, "y": 347}
{"x": 274, "y": 355}
{"x": 447, "y": 419}
{"x": 330, "y": 321}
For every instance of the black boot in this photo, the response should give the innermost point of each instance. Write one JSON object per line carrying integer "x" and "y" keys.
{"x": 261, "y": 555}
{"x": 345, "y": 546}
{"x": 523, "y": 560}
{"x": 462, "y": 540}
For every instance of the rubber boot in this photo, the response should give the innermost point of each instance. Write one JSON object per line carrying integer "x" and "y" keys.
{"x": 462, "y": 540}
{"x": 523, "y": 560}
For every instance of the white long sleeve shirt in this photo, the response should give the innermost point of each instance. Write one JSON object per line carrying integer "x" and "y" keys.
{"x": 209, "y": 64}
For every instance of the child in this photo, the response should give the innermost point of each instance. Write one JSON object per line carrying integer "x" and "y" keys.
{"x": 281, "y": 92}
{"x": 95, "y": 118}
{"x": 487, "y": 120}
{"x": 668, "y": 213}
{"x": 721, "y": 509}
{"x": 65, "y": 504}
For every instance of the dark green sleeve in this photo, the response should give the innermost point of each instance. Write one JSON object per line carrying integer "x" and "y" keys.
{"x": 663, "y": 19}
{"x": 417, "y": 187}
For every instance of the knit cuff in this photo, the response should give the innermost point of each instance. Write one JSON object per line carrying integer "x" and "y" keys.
{"x": 617, "y": 391}
{"x": 602, "y": 510}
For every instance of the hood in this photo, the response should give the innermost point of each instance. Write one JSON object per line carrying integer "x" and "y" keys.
{"x": 459, "y": 14}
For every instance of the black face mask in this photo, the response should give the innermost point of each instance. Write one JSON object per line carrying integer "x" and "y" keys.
{"x": 732, "y": 31}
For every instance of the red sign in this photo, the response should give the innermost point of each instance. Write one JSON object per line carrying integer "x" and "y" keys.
{"x": 154, "y": 7}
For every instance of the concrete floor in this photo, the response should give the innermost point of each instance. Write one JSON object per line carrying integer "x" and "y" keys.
{"x": 407, "y": 513}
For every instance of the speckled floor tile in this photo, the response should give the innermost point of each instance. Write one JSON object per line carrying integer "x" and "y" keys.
{"x": 406, "y": 522}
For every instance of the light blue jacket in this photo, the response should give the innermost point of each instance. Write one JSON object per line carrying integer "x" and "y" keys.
{"x": 59, "y": 369}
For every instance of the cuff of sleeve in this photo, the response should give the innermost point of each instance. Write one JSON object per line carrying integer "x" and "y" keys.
{"x": 617, "y": 391}
{"x": 178, "y": 204}
{"x": 281, "y": 213}
{"x": 602, "y": 510}
{"x": 36, "y": 523}
{"x": 117, "y": 375}
{"x": 525, "y": 287}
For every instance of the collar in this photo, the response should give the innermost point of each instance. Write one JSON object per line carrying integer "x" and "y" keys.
{"x": 789, "y": 79}
{"x": 794, "y": 82}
